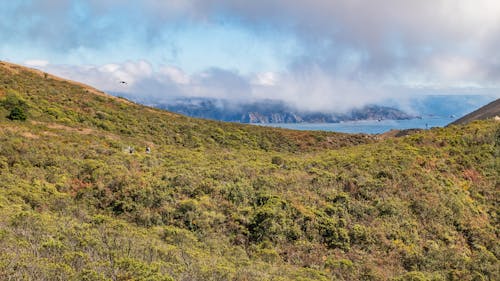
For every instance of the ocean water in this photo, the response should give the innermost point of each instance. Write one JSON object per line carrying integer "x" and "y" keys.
{"x": 368, "y": 126}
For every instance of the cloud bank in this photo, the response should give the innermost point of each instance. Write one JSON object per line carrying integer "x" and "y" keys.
{"x": 346, "y": 53}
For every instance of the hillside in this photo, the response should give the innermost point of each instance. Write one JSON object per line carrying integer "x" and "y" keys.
{"x": 442, "y": 105}
{"x": 52, "y": 99}
{"x": 217, "y": 201}
{"x": 488, "y": 111}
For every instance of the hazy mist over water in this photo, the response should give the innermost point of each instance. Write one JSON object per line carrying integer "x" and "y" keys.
{"x": 369, "y": 126}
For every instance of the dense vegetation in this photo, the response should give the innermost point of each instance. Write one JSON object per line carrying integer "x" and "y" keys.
{"x": 217, "y": 201}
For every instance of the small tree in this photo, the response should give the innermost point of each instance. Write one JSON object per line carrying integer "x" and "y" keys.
{"x": 17, "y": 113}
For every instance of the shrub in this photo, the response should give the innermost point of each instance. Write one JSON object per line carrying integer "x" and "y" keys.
{"x": 16, "y": 106}
{"x": 17, "y": 113}
{"x": 276, "y": 160}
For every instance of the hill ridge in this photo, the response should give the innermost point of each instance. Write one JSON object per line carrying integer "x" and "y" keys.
{"x": 81, "y": 109}
{"x": 490, "y": 110}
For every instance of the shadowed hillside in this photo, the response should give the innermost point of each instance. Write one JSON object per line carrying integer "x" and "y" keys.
{"x": 217, "y": 201}
{"x": 488, "y": 111}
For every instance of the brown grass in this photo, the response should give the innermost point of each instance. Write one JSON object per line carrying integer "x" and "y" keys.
{"x": 12, "y": 68}
{"x": 29, "y": 135}
{"x": 83, "y": 131}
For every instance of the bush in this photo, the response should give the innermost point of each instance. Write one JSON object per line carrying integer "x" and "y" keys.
{"x": 17, "y": 113}
{"x": 276, "y": 160}
{"x": 16, "y": 105}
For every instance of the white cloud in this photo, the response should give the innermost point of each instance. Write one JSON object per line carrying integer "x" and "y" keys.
{"x": 317, "y": 90}
{"x": 313, "y": 90}
{"x": 456, "y": 69}
{"x": 175, "y": 74}
{"x": 265, "y": 79}
{"x": 36, "y": 63}
{"x": 105, "y": 77}
{"x": 349, "y": 52}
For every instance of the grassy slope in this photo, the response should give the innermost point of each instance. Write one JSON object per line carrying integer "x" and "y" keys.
{"x": 217, "y": 201}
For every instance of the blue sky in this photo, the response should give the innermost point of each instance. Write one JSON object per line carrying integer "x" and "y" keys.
{"x": 316, "y": 54}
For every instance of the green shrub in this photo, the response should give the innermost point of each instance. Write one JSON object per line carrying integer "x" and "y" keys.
{"x": 17, "y": 113}
{"x": 277, "y": 160}
{"x": 16, "y": 105}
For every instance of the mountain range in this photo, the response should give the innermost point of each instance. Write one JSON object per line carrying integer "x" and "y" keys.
{"x": 276, "y": 111}
{"x": 271, "y": 111}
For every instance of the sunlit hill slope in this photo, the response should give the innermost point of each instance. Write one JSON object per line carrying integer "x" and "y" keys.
{"x": 219, "y": 201}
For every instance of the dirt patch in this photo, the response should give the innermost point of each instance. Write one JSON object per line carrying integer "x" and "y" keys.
{"x": 21, "y": 132}
{"x": 29, "y": 135}
{"x": 49, "y": 134}
{"x": 10, "y": 129}
{"x": 394, "y": 133}
{"x": 83, "y": 131}
{"x": 471, "y": 175}
{"x": 389, "y": 134}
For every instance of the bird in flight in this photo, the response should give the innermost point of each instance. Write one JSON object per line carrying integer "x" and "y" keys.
{"x": 123, "y": 82}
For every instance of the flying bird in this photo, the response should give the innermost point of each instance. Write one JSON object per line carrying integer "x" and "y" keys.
{"x": 123, "y": 82}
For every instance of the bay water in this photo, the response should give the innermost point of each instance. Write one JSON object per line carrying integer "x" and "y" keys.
{"x": 368, "y": 126}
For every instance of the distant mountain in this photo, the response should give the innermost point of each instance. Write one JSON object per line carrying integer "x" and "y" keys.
{"x": 272, "y": 111}
{"x": 488, "y": 111}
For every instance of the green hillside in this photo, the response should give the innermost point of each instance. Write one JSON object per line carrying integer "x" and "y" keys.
{"x": 218, "y": 201}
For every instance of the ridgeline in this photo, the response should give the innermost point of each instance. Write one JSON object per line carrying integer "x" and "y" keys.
{"x": 81, "y": 199}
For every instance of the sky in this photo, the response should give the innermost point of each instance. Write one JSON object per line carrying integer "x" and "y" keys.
{"x": 327, "y": 55}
